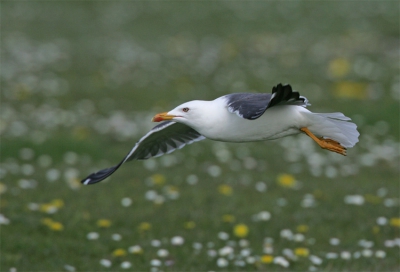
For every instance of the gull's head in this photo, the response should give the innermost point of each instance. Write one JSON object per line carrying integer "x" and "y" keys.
{"x": 206, "y": 117}
{"x": 185, "y": 113}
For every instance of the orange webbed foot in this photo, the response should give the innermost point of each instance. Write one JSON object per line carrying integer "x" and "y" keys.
{"x": 324, "y": 143}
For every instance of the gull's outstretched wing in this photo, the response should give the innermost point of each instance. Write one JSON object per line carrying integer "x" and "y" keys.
{"x": 162, "y": 139}
{"x": 252, "y": 105}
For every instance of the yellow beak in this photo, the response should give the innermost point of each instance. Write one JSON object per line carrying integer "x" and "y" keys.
{"x": 163, "y": 116}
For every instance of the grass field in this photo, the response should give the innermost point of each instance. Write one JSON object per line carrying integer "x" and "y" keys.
{"x": 80, "y": 82}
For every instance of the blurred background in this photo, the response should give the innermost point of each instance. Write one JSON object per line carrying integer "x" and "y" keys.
{"x": 80, "y": 82}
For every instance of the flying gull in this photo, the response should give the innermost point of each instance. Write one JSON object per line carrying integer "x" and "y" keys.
{"x": 240, "y": 117}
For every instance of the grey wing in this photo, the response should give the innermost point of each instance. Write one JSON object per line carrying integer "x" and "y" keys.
{"x": 252, "y": 105}
{"x": 248, "y": 105}
{"x": 162, "y": 139}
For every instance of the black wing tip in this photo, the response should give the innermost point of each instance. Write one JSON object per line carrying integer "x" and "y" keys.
{"x": 284, "y": 93}
{"x": 99, "y": 176}
{"x": 281, "y": 86}
{"x": 91, "y": 180}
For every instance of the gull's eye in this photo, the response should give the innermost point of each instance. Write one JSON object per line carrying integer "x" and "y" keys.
{"x": 185, "y": 109}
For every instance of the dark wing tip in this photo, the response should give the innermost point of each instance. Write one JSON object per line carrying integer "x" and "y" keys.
{"x": 99, "y": 176}
{"x": 286, "y": 88}
{"x": 284, "y": 94}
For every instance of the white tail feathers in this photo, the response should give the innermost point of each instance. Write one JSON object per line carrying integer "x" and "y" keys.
{"x": 335, "y": 126}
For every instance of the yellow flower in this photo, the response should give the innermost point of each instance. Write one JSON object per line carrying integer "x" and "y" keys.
{"x": 48, "y": 208}
{"x": 225, "y": 189}
{"x": 228, "y": 218}
{"x": 287, "y": 181}
{"x": 302, "y": 252}
{"x": 74, "y": 183}
{"x": 172, "y": 192}
{"x": 80, "y": 132}
{"x": 376, "y": 229}
{"x": 318, "y": 194}
{"x": 241, "y": 230}
{"x": 136, "y": 249}
{"x": 47, "y": 221}
{"x": 85, "y": 215}
{"x": 189, "y": 225}
{"x": 119, "y": 252}
{"x": 56, "y": 226}
{"x": 395, "y": 222}
{"x": 267, "y": 259}
{"x": 348, "y": 89}
{"x": 103, "y": 223}
{"x": 144, "y": 226}
{"x": 22, "y": 92}
{"x": 302, "y": 228}
{"x": 158, "y": 179}
{"x": 372, "y": 199}
{"x": 339, "y": 67}
{"x": 58, "y": 203}
{"x": 3, "y": 188}
{"x": 171, "y": 189}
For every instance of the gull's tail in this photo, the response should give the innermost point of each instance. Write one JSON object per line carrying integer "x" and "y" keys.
{"x": 335, "y": 126}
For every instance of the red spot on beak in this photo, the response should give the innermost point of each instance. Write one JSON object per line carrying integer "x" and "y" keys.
{"x": 162, "y": 117}
{"x": 157, "y": 118}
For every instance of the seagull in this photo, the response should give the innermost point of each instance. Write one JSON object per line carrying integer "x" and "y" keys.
{"x": 240, "y": 117}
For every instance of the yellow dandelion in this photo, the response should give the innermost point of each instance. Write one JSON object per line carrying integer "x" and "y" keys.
{"x": 81, "y": 132}
{"x": 225, "y": 190}
{"x": 3, "y": 203}
{"x": 172, "y": 192}
{"x": 3, "y": 188}
{"x": 302, "y": 252}
{"x": 375, "y": 229}
{"x": 103, "y": 223}
{"x": 56, "y": 226}
{"x": 85, "y": 215}
{"x": 373, "y": 199}
{"x": 158, "y": 179}
{"x": 172, "y": 189}
{"x": 119, "y": 252}
{"x": 302, "y": 228}
{"x": 353, "y": 90}
{"x": 267, "y": 259}
{"x": 287, "y": 181}
{"x": 47, "y": 221}
{"x": 228, "y": 218}
{"x": 339, "y": 67}
{"x": 241, "y": 230}
{"x": 136, "y": 249}
{"x": 48, "y": 208}
{"x": 22, "y": 92}
{"x": 189, "y": 225}
{"x": 74, "y": 183}
{"x": 144, "y": 226}
{"x": 58, "y": 203}
{"x": 395, "y": 222}
{"x": 318, "y": 194}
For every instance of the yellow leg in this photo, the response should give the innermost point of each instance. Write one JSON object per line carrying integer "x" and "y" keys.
{"x": 329, "y": 144}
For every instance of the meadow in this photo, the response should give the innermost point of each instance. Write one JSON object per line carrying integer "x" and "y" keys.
{"x": 80, "y": 82}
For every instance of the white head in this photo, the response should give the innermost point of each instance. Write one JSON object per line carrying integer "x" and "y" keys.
{"x": 184, "y": 113}
{"x": 195, "y": 114}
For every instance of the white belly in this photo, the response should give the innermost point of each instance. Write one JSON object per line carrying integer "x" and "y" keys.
{"x": 276, "y": 122}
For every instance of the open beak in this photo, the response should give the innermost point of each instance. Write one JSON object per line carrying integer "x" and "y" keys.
{"x": 164, "y": 116}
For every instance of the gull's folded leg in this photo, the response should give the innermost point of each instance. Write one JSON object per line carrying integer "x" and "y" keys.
{"x": 328, "y": 144}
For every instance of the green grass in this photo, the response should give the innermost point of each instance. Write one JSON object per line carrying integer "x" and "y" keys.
{"x": 76, "y": 75}
{"x": 29, "y": 244}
